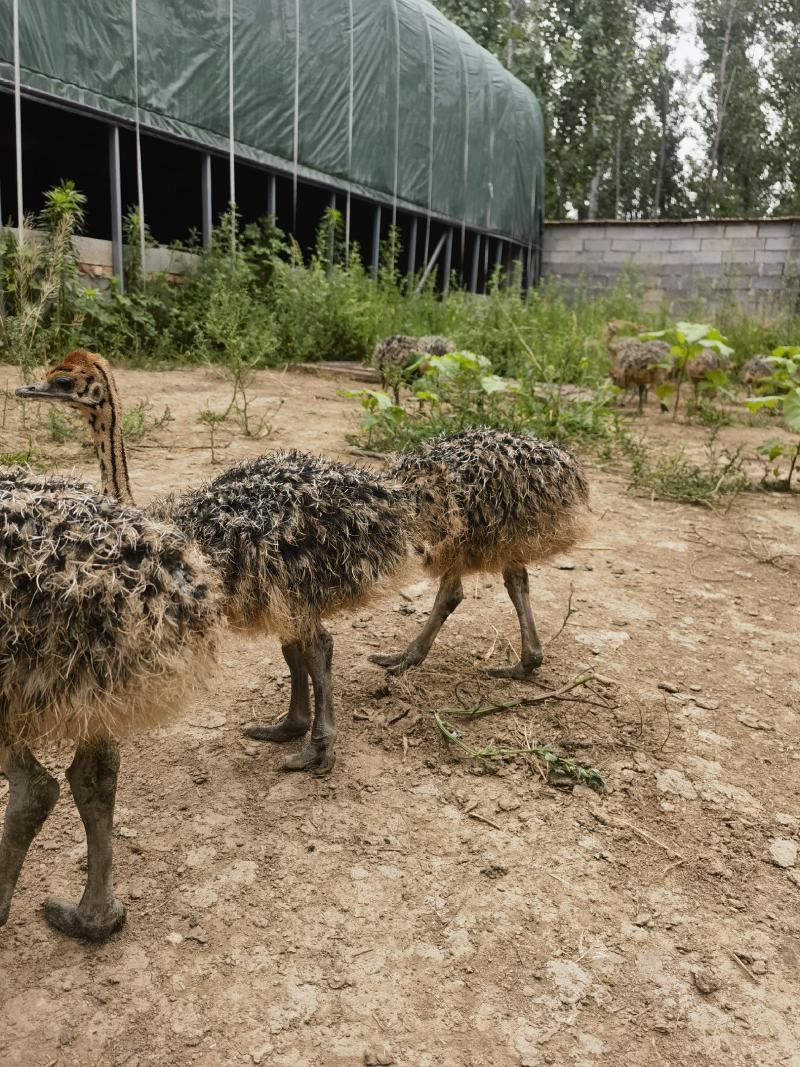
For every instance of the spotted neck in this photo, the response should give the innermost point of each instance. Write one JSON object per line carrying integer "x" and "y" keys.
{"x": 106, "y": 425}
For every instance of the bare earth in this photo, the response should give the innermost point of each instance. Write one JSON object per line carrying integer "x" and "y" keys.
{"x": 410, "y": 909}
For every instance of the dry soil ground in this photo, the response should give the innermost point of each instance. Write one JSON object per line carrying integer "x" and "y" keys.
{"x": 409, "y": 909}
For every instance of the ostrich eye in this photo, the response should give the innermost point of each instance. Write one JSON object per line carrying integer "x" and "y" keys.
{"x": 63, "y": 383}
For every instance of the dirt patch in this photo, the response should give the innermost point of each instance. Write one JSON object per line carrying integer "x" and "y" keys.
{"x": 369, "y": 917}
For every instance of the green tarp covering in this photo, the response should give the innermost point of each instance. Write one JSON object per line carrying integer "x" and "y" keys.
{"x": 384, "y": 97}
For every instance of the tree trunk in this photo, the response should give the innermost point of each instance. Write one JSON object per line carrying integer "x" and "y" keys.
{"x": 594, "y": 191}
{"x": 723, "y": 91}
{"x": 617, "y": 171}
{"x": 514, "y": 8}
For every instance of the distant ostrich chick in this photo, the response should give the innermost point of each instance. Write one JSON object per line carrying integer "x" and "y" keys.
{"x": 756, "y": 370}
{"x": 293, "y": 537}
{"x": 106, "y": 619}
{"x": 637, "y": 363}
{"x": 392, "y": 356}
{"x": 488, "y": 500}
{"x": 698, "y": 368}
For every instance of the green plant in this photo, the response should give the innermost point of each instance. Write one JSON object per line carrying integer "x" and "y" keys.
{"x": 687, "y": 340}
{"x": 674, "y": 477}
{"x": 212, "y": 419}
{"x": 139, "y": 420}
{"x": 786, "y": 396}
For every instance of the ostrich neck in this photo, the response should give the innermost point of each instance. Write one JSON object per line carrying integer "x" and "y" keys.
{"x": 106, "y": 424}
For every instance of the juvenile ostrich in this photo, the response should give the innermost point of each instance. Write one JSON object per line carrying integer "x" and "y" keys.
{"x": 756, "y": 370}
{"x": 392, "y": 357}
{"x": 106, "y": 619}
{"x": 637, "y": 363}
{"x": 487, "y": 500}
{"x": 698, "y": 368}
{"x": 294, "y": 539}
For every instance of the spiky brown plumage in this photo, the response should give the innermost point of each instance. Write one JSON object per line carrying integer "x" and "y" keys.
{"x": 487, "y": 499}
{"x": 296, "y": 538}
{"x": 707, "y": 360}
{"x": 392, "y": 356}
{"x": 494, "y": 501}
{"x": 757, "y": 369}
{"x": 106, "y": 617}
{"x": 635, "y": 363}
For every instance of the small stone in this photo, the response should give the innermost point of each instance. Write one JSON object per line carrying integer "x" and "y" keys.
{"x": 752, "y": 721}
{"x": 707, "y": 705}
{"x": 759, "y": 966}
{"x": 378, "y": 1059}
{"x": 783, "y": 852}
{"x": 199, "y": 777}
{"x": 644, "y": 918}
{"x": 174, "y": 937}
{"x": 696, "y": 688}
{"x": 258, "y": 1055}
{"x": 199, "y": 935}
{"x": 508, "y": 805}
{"x": 706, "y": 980}
{"x": 672, "y": 781}
{"x": 785, "y": 820}
{"x": 125, "y": 831}
{"x": 565, "y": 565}
{"x": 668, "y": 687}
{"x": 494, "y": 870}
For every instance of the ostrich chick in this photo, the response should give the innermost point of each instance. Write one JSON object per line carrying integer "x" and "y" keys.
{"x": 756, "y": 370}
{"x": 106, "y": 620}
{"x": 637, "y": 363}
{"x": 488, "y": 500}
{"x": 392, "y": 357}
{"x": 294, "y": 539}
{"x": 706, "y": 361}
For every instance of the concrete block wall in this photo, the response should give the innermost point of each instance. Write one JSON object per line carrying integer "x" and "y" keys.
{"x": 754, "y": 263}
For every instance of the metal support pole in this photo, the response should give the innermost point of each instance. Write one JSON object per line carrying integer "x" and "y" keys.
{"x": 448, "y": 262}
{"x": 476, "y": 261}
{"x": 376, "y": 242}
{"x": 332, "y": 232}
{"x": 498, "y": 259}
{"x": 412, "y": 247}
{"x": 115, "y": 180}
{"x": 205, "y": 186}
{"x": 431, "y": 263}
{"x": 272, "y": 198}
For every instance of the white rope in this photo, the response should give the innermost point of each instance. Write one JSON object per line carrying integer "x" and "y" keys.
{"x": 351, "y": 90}
{"x": 296, "y": 123}
{"x": 17, "y": 123}
{"x": 231, "y": 136}
{"x": 139, "y": 174}
{"x": 396, "y": 111}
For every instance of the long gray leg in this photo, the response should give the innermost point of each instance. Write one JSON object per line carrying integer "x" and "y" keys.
{"x": 318, "y": 755}
{"x": 93, "y": 781}
{"x": 32, "y": 796}
{"x": 642, "y": 397}
{"x": 516, "y": 582}
{"x": 448, "y": 597}
{"x": 296, "y": 722}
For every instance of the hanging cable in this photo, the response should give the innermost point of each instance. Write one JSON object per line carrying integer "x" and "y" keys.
{"x": 430, "y": 134}
{"x": 231, "y": 137}
{"x": 351, "y": 90}
{"x": 396, "y": 111}
{"x": 137, "y": 129}
{"x": 296, "y": 122}
{"x": 17, "y": 122}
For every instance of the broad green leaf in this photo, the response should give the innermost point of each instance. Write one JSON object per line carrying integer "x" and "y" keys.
{"x": 772, "y": 448}
{"x": 665, "y": 390}
{"x": 493, "y": 383}
{"x": 756, "y": 403}
{"x": 791, "y": 410}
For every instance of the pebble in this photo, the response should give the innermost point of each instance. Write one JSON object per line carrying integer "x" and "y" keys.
{"x": 644, "y": 918}
{"x": 696, "y": 688}
{"x": 199, "y": 935}
{"x": 706, "y": 980}
{"x": 258, "y": 1055}
{"x": 707, "y": 705}
{"x": 668, "y": 687}
{"x": 752, "y": 721}
{"x": 783, "y": 852}
{"x": 565, "y": 565}
{"x": 378, "y": 1059}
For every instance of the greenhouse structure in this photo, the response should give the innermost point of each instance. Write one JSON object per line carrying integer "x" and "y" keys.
{"x": 381, "y": 108}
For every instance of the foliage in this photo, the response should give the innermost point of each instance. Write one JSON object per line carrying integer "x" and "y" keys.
{"x": 783, "y": 391}
{"x": 139, "y": 420}
{"x": 674, "y": 477}
{"x": 688, "y": 340}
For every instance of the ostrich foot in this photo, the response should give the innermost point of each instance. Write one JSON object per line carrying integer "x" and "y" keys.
{"x": 282, "y": 730}
{"x": 518, "y": 670}
{"x": 87, "y": 924}
{"x": 317, "y": 757}
{"x": 396, "y": 662}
